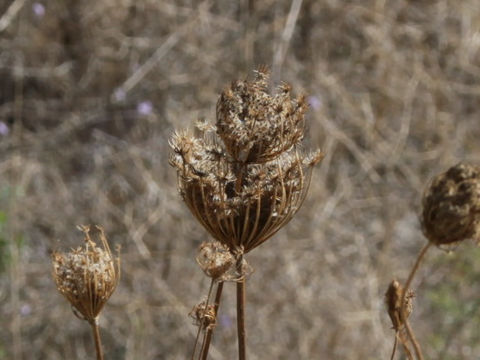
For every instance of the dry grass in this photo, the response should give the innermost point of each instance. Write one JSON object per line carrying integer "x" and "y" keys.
{"x": 91, "y": 91}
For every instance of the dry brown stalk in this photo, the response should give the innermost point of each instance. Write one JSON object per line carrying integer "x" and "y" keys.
{"x": 245, "y": 177}
{"x": 87, "y": 277}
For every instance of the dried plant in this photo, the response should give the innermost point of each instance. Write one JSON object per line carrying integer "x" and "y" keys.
{"x": 87, "y": 277}
{"x": 451, "y": 206}
{"x": 393, "y": 301}
{"x": 245, "y": 177}
{"x": 450, "y": 214}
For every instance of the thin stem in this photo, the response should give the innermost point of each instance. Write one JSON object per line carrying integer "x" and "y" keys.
{"x": 403, "y": 315}
{"x": 241, "y": 315}
{"x": 209, "y": 335}
{"x": 394, "y": 346}
{"x": 98, "y": 341}
{"x": 202, "y": 322}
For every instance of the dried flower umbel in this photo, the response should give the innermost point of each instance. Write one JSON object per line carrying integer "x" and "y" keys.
{"x": 87, "y": 276}
{"x": 246, "y": 185}
{"x": 245, "y": 177}
{"x": 451, "y": 206}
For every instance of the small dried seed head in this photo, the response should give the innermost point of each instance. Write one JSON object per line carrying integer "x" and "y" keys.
{"x": 393, "y": 299}
{"x": 203, "y": 315}
{"x": 451, "y": 206}
{"x": 87, "y": 276}
{"x": 215, "y": 259}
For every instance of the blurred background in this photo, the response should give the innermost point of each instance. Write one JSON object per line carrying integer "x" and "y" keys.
{"x": 90, "y": 92}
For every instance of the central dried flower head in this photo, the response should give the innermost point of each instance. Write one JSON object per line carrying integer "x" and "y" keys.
{"x": 87, "y": 276}
{"x": 245, "y": 178}
{"x": 451, "y": 206}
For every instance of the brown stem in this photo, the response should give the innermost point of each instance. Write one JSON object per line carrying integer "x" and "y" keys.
{"x": 241, "y": 311}
{"x": 98, "y": 341}
{"x": 394, "y": 346}
{"x": 241, "y": 319}
{"x": 403, "y": 315}
{"x": 208, "y": 337}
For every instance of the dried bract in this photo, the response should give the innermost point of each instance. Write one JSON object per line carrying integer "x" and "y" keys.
{"x": 245, "y": 189}
{"x": 87, "y": 276}
{"x": 451, "y": 206}
{"x": 393, "y": 299}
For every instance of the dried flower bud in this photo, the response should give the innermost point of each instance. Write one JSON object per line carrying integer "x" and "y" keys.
{"x": 87, "y": 276}
{"x": 203, "y": 315}
{"x": 255, "y": 126}
{"x": 451, "y": 206}
{"x": 393, "y": 299}
{"x": 215, "y": 259}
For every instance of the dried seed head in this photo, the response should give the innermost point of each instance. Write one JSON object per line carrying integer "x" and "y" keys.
{"x": 215, "y": 259}
{"x": 87, "y": 276}
{"x": 451, "y": 206}
{"x": 255, "y": 126}
{"x": 203, "y": 315}
{"x": 393, "y": 299}
{"x": 244, "y": 185}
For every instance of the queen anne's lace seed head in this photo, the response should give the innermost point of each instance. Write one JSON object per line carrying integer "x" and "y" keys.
{"x": 87, "y": 276}
{"x": 451, "y": 206}
{"x": 248, "y": 182}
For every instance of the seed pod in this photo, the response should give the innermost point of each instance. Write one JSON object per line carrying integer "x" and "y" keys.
{"x": 451, "y": 206}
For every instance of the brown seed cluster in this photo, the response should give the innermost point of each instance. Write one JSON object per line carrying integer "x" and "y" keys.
{"x": 87, "y": 276}
{"x": 215, "y": 259}
{"x": 204, "y": 315}
{"x": 255, "y": 126}
{"x": 393, "y": 301}
{"x": 245, "y": 178}
{"x": 451, "y": 206}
